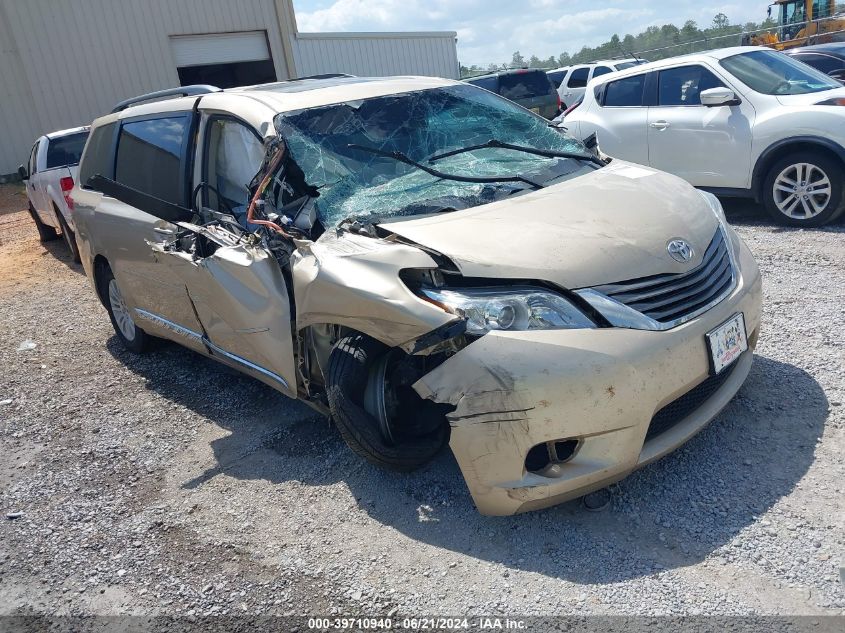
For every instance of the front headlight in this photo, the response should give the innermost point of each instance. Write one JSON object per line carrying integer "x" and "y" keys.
{"x": 513, "y": 309}
{"x": 715, "y": 205}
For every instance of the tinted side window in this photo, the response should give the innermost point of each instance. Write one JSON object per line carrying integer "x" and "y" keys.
{"x": 66, "y": 150}
{"x": 524, "y": 85}
{"x": 149, "y": 156}
{"x": 97, "y": 158}
{"x": 556, "y": 77}
{"x": 682, "y": 86}
{"x": 821, "y": 62}
{"x": 626, "y": 92}
{"x": 578, "y": 78}
{"x": 601, "y": 70}
{"x": 488, "y": 83}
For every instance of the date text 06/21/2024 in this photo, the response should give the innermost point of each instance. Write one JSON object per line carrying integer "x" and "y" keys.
{"x": 417, "y": 624}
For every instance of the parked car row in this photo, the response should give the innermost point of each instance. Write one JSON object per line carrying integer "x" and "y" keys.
{"x": 571, "y": 81}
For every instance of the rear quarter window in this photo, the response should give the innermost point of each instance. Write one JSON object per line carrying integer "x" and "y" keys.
{"x": 98, "y": 160}
{"x": 66, "y": 150}
{"x": 149, "y": 156}
{"x": 578, "y": 78}
{"x": 488, "y": 83}
{"x": 624, "y": 93}
{"x": 525, "y": 85}
{"x": 557, "y": 77}
{"x": 824, "y": 63}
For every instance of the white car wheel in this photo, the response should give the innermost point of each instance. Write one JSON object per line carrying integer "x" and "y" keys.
{"x": 802, "y": 191}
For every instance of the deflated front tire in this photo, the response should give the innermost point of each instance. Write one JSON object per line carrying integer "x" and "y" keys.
{"x": 350, "y": 370}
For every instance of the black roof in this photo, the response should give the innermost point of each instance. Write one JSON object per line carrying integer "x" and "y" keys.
{"x": 510, "y": 71}
{"x": 835, "y": 48}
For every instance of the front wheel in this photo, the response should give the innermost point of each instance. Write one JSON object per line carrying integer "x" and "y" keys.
{"x": 804, "y": 189}
{"x": 133, "y": 338}
{"x": 378, "y": 414}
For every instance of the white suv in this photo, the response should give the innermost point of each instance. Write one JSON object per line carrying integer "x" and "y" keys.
{"x": 573, "y": 84}
{"x": 745, "y": 121}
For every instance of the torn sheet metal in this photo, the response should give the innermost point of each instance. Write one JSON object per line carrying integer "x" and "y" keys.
{"x": 514, "y": 391}
{"x": 353, "y": 280}
{"x": 241, "y": 300}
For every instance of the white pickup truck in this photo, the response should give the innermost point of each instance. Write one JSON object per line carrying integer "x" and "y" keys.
{"x": 49, "y": 176}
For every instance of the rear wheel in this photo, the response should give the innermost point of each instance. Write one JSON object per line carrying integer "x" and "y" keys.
{"x": 45, "y": 233}
{"x": 376, "y": 410}
{"x": 804, "y": 189}
{"x": 133, "y": 337}
{"x": 69, "y": 237}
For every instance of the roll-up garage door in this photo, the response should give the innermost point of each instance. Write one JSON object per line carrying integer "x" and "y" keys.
{"x": 225, "y": 60}
{"x": 219, "y": 48}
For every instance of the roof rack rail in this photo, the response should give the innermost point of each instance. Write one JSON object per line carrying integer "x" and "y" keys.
{"x": 183, "y": 91}
{"x": 325, "y": 76}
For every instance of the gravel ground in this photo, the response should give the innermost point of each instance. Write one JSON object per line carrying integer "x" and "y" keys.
{"x": 166, "y": 484}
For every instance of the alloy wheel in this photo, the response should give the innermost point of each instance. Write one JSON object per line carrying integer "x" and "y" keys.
{"x": 121, "y": 313}
{"x": 802, "y": 191}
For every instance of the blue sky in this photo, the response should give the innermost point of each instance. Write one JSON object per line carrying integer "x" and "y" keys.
{"x": 491, "y": 30}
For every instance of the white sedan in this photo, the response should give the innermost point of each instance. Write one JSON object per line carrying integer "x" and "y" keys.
{"x": 745, "y": 121}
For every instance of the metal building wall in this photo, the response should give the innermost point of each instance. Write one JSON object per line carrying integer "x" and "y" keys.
{"x": 65, "y": 62}
{"x": 377, "y": 54}
{"x": 81, "y": 57}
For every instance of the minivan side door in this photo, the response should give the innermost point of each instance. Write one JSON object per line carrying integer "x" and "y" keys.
{"x": 133, "y": 190}
{"x": 707, "y": 147}
{"x": 238, "y": 290}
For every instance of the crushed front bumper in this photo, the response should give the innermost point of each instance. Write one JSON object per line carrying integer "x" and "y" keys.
{"x": 602, "y": 388}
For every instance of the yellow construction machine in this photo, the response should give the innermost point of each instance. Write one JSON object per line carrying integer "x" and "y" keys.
{"x": 802, "y": 23}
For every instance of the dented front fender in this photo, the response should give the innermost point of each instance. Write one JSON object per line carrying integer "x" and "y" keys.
{"x": 353, "y": 281}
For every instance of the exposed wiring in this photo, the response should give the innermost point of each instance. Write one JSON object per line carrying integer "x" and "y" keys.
{"x": 262, "y": 187}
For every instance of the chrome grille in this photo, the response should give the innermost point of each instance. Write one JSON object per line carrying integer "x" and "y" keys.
{"x": 674, "y": 297}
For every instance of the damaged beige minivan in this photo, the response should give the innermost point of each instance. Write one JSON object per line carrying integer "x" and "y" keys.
{"x": 426, "y": 263}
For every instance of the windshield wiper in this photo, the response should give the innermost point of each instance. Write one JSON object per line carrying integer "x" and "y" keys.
{"x": 402, "y": 158}
{"x": 493, "y": 143}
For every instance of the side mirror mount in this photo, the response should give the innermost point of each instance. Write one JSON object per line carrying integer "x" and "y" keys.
{"x": 716, "y": 97}
{"x": 22, "y": 173}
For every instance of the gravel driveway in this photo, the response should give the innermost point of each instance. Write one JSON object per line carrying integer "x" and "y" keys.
{"x": 166, "y": 484}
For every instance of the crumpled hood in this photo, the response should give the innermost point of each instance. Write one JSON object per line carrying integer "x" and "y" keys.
{"x": 611, "y": 225}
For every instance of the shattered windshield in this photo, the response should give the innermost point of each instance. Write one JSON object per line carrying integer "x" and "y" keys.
{"x": 370, "y": 187}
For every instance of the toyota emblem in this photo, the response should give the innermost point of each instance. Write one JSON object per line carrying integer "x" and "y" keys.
{"x": 680, "y": 250}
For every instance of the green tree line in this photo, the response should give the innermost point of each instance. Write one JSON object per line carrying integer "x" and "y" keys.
{"x": 673, "y": 40}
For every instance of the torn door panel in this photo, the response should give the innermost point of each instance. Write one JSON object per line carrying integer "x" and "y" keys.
{"x": 352, "y": 280}
{"x": 241, "y": 300}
